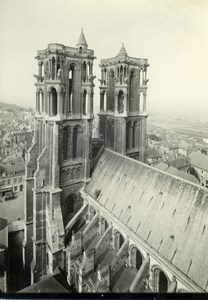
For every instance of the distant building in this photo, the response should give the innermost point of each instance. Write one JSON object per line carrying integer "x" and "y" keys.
{"x": 3, "y": 255}
{"x": 183, "y": 148}
{"x": 174, "y": 171}
{"x": 12, "y": 175}
{"x": 199, "y": 162}
{"x": 153, "y": 157}
{"x": 180, "y": 163}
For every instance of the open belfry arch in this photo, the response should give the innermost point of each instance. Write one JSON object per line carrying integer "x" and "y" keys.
{"x": 59, "y": 158}
{"x": 122, "y": 116}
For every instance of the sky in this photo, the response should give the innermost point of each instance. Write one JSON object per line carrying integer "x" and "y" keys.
{"x": 171, "y": 34}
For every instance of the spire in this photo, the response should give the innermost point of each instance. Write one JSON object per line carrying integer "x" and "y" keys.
{"x": 122, "y": 50}
{"x": 82, "y": 40}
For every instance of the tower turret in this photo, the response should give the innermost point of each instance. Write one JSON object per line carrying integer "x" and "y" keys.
{"x": 122, "y": 116}
{"x": 59, "y": 159}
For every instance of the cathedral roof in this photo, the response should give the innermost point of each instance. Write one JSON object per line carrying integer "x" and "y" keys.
{"x": 165, "y": 212}
{"x": 82, "y": 40}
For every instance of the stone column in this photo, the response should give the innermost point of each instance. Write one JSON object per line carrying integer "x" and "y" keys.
{"x": 88, "y": 102}
{"x": 144, "y": 101}
{"x": 142, "y": 76}
{"x": 49, "y": 104}
{"x": 50, "y": 68}
{"x": 130, "y": 135}
{"x": 55, "y": 172}
{"x": 37, "y": 102}
{"x": 125, "y": 103}
{"x": 116, "y": 102}
{"x": 58, "y": 102}
{"x": 39, "y": 70}
{"x": 55, "y": 77}
{"x": 91, "y": 65}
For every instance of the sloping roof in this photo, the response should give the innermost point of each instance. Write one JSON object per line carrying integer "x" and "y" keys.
{"x": 199, "y": 160}
{"x": 46, "y": 285}
{"x": 14, "y": 164}
{"x": 168, "y": 213}
{"x": 82, "y": 40}
{"x": 164, "y": 167}
{"x": 180, "y": 162}
{"x": 183, "y": 145}
{"x": 152, "y": 153}
{"x": 3, "y": 223}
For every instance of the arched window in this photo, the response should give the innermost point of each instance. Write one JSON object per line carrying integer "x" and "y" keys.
{"x": 104, "y": 101}
{"x": 71, "y": 88}
{"x": 109, "y": 135}
{"x": 84, "y": 68}
{"x": 84, "y": 108}
{"x": 58, "y": 75}
{"x": 105, "y": 77}
{"x": 65, "y": 143}
{"x": 120, "y": 102}
{"x": 53, "y": 102}
{"x": 53, "y": 68}
{"x": 119, "y": 240}
{"x": 62, "y": 99}
{"x": 77, "y": 142}
{"x": 129, "y": 134}
{"x": 160, "y": 281}
{"x": 135, "y": 258}
{"x": 69, "y": 205}
{"x": 111, "y": 88}
{"x": 103, "y": 225}
{"x": 134, "y": 135}
{"x": 138, "y": 259}
{"x": 133, "y": 87}
{"x": 41, "y": 103}
{"x": 121, "y": 74}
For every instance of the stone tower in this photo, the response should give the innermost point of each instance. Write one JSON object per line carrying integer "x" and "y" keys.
{"x": 122, "y": 116}
{"x": 59, "y": 160}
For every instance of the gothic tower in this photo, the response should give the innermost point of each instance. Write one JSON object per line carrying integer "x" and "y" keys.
{"x": 59, "y": 160}
{"x": 122, "y": 116}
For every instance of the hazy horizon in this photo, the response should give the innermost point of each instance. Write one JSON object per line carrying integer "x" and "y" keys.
{"x": 172, "y": 34}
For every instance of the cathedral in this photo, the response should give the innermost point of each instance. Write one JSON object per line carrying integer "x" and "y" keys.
{"x": 109, "y": 223}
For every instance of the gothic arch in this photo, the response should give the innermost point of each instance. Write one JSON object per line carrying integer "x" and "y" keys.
{"x": 53, "y": 62}
{"x": 111, "y": 89}
{"x": 62, "y": 99}
{"x": 103, "y": 225}
{"x": 65, "y": 142}
{"x": 109, "y": 134}
{"x": 160, "y": 279}
{"x": 84, "y": 103}
{"x": 84, "y": 71}
{"x": 72, "y": 81}
{"x": 77, "y": 142}
{"x": 53, "y": 104}
{"x": 129, "y": 134}
{"x": 136, "y": 257}
{"x": 70, "y": 204}
{"x": 134, "y": 134}
{"x": 119, "y": 240}
{"x": 133, "y": 87}
{"x": 121, "y": 101}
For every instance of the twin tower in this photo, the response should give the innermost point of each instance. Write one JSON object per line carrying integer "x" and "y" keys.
{"x": 59, "y": 161}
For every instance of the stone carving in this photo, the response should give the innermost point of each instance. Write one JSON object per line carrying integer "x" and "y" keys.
{"x": 71, "y": 173}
